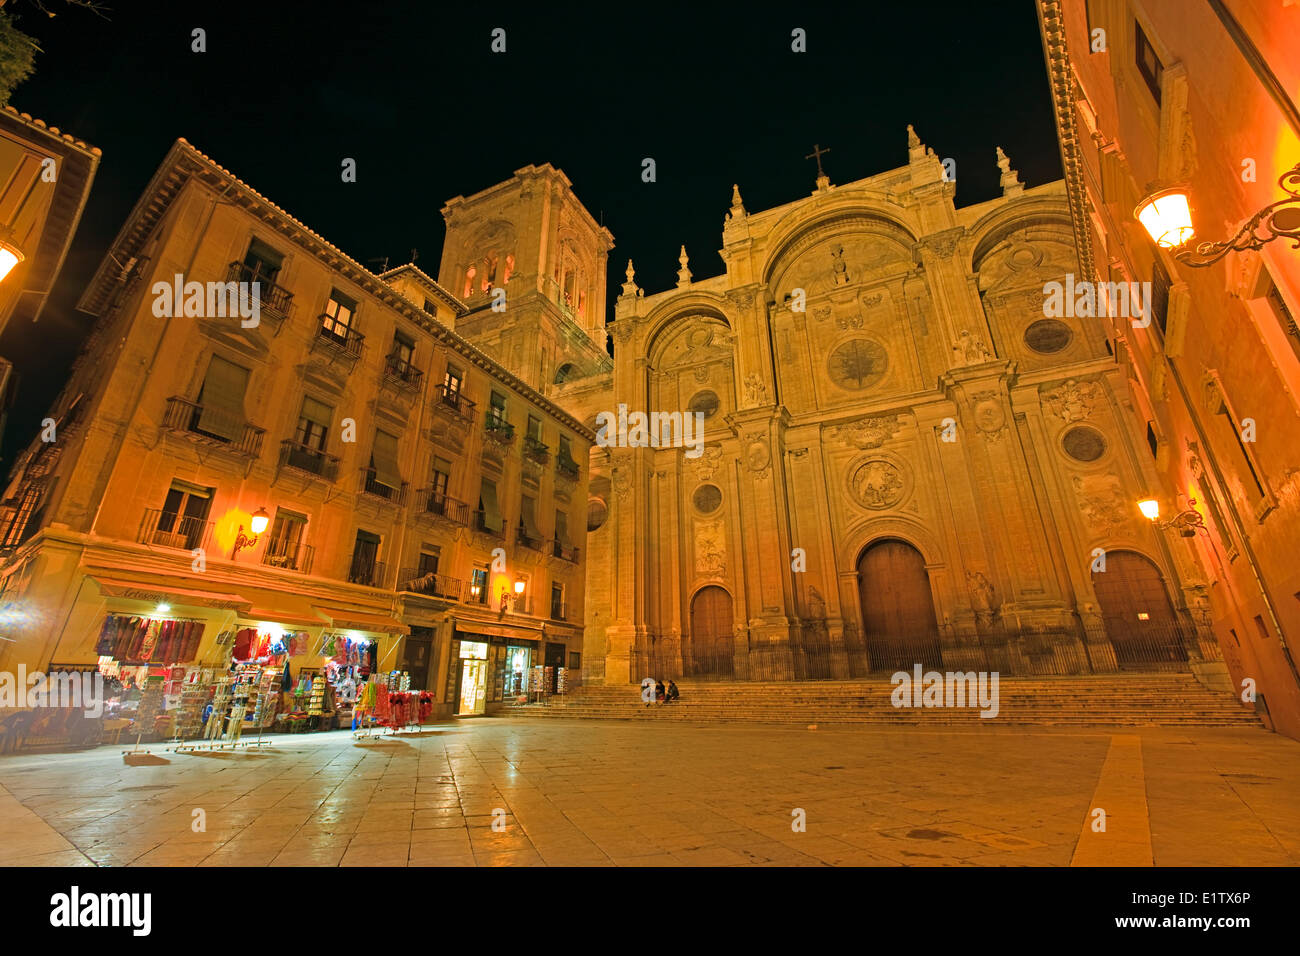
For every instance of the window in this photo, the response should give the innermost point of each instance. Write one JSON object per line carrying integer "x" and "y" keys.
{"x": 489, "y": 511}
{"x": 1282, "y": 312}
{"x": 441, "y": 477}
{"x": 221, "y": 401}
{"x": 313, "y": 424}
{"x": 366, "y": 568}
{"x": 284, "y": 549}
{"x": 528, "y": 521}
{"x": 25, "y": 516}
{"x": 497, "y": 410}
{"x": 261, "y": 262}
{"x": 1159, "y": 293}
{"x": 1148, "y": 63}
{"x": 1259, "y": 626}
{"x": 184, "y": 519}
{"x": 575, "y": 661}
{"x": 478, "y": 585}
{"x": 1225, "y": 416}
{"x": 383, "y": 465}
{"x": 451, "y": 383}
{"x": 339, "y": 313}
{"x": 557, "y": 601}
{"x": 430, "y": 308}
{"x": 403, "y": 350}
{"x": 428, "y": 561}
{"x": 534, "y": 428}
{"x": 1152, "y": 441}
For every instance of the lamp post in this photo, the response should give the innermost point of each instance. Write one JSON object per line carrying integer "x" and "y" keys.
{"x": 257, "y": 524}
{"x": 1186, "y": 522}
{"x": 1167, "y": 217}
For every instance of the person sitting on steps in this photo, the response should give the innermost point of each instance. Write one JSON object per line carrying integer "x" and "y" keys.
{"x": 672, "y": 693}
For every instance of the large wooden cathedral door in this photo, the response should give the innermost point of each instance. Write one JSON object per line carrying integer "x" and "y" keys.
{"x": 710, "y": 649}
{"x": 897, "y": 609}
{"x": 1139, "y": 619}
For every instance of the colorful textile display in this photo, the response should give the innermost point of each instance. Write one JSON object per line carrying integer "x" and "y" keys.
{"x": 139, "y": 640}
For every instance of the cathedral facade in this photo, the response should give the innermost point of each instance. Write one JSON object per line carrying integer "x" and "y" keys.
{"x": 909, "y": 454}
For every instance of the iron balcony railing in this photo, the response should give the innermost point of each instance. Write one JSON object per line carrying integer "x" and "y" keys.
{"x": 480, "y": 524}
{"x": 536, "y": 543}
{"x": 271, "y": 297}
{"x": 430, "y": 583}
{"x": 566, "y": 551}
{"x": 339, "y": 338}
{"x": 452, "y": 400}
{"x": 401, "y": 373}
{"x": 169, "y": 529}
{"x": 367, "y": 571}
{"x": 567, "y": 467}
{"x": 304, "y": 458}
{"x": 443, "y": 505}
{"x": 534, "y": 450}
{"x": 371, "y": 485}
{"x": 195, "y": 419}
{"x": 288, "y": 554}
{"x": 499, "y": 430}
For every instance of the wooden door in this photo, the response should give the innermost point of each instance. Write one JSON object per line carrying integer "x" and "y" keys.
{"x": 710, "y": 650}
{"x": 1135, "y": 608}
{"x": 897, "y": 609}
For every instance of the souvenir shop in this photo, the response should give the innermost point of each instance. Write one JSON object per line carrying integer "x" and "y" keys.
{"x": 488, "y": 671}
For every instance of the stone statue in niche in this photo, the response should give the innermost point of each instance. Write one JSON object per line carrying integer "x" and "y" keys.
{"x": 755, "y": 390}
{"x": 838, "y": 268}
{"x": 970, "y": 349}
{"x": 981, "y": 596}
{"x": 816, "y": 605}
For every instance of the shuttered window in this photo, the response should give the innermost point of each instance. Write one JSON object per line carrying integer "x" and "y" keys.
{"x": 221, "y": 400}
{"x": 491, "y": 509}
{"x": 383, "y": 459}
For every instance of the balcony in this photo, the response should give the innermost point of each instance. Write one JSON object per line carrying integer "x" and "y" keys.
{"x": 401, "y": 374}
{"x": 535, "y": 451}
{"x": 452, "y": 404}
{"x": 337, "y": 341}
{"x": 440, "y": 505}
{"x": 366, "y": 571}
{"x": 430, "y": 583}
{"x": 565, "y": 552}
{"x": 273, "y": 300}
{"x": 567, "y": 468}
{"x": 499, "y": 430}
{"x": 288, "y": 554}
{"x": 529, "y": 541}
{"x": 307, "y": 460}
{"x": 372, "y": 486}
{"x": 171, "y": 530}
{"x": 203, "y": 424}
{"x": 480, "y": 524}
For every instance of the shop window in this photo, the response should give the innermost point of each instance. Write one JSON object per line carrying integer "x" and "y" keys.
{"x": 338, "y": 317}
{"x": 1148, "y": 64}
{"x": 183, "y": 522}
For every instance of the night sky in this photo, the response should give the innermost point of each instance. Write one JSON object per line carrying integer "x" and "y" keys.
{"x": 413, "y": 92}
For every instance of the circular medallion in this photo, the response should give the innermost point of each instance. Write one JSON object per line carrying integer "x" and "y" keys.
{"x": 877, "y": 483}
{"x": 989, "y": 416}
{"x": 706, "y": 402}
{"x": 707, "y": 499}
{"x": 597, "y": 513}
{"x": 858, "y": 364}
{"x": 1083, "y": 443}
{"x": 1048, "y": 335}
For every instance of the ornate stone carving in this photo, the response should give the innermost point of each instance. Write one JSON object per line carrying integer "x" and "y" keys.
{"x": 858, "y": 364}
{"x": 622, "y": 481}
{"x": 622, "y": 331}
{"x": 854, "y": 321}
{"x": 710, "y": 548}
{"x": 758, "y": 456}
{"x": 877, "y": 484}
{"x": 982, "y": 597}
{"x": 866, "y": 432}
{"x": 822, "y": 313}
{"x": 755, "y": 389}
{"x": 970, "y": 350}
{"x": 743, "y": 298}
{"x": 989, "y": 415}
{"x": 1072, "y": 401}
{"x": 944, "y": 244}
{"x": 799, "y": 453}
{"x": 1102, "y": 502}
{"x": 708, "y": 463}
{"x": 838, "y": 269}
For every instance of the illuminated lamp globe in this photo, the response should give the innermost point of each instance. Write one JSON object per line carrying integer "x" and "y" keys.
{"x": 10, "y": 256}
{"x": 1167, "y": 218}
{"x": 260, "y": 520}
{"x": 1150, "y": 508}
{"x": 519, "y": 586}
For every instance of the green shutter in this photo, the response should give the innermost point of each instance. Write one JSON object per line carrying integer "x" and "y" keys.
{"x": 384, "y": 460}
{"x": 222, "y": 399}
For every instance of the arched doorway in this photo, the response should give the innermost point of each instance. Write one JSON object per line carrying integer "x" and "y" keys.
{"x": 710, "y": 648}
{"x": 897, "y": 610}
{"x": 1135, "y": 609}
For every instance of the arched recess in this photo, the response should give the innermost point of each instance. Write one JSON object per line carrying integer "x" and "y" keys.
{"x": 1046, "y": 216}
{"x": 900, "y": 628}
{"x": 1137, "y": 613}
{"x": 565, "y": 372}
{"x": 796, "y": 233}
{"x": 710, "y": 645}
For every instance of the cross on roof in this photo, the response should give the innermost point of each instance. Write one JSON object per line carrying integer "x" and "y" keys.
{"x": 817, "y": 154}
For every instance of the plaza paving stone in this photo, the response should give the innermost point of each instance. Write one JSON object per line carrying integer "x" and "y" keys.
{"x": 619, "y": 793}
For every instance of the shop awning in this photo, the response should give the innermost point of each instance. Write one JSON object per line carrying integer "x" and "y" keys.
{"x": 161, "y": 592}
{"x": 346, "y": 620}
{"x": 284, "y": 620}
{"x": 473, "y": 630}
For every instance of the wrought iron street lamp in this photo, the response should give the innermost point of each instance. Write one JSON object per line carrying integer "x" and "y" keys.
{"x": 257, "y": 524}
{"x": 10, "y": 254}
{"x": 508, "y": 600}
{"x": 1166, "y": 216}
{"x": 1186, "y": 522}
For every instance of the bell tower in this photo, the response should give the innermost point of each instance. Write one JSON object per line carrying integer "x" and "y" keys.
{"x": 530, "y": 262}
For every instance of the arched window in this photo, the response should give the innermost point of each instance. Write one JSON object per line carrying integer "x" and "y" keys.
{"x": 564, "y": 372}
{"x": 469, "y": 282}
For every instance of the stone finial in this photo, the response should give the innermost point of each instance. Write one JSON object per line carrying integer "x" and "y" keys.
{"x": 915, "y": 148}
{"x": 737, "y": 207}
{"x": 1010, "y": 182}
{"x": 913, "y": 140}
{"x": 630, "y": 286}
{"x": 684, "y": 273}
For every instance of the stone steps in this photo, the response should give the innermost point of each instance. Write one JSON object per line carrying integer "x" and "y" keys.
{"x": 1147, "y": 700}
